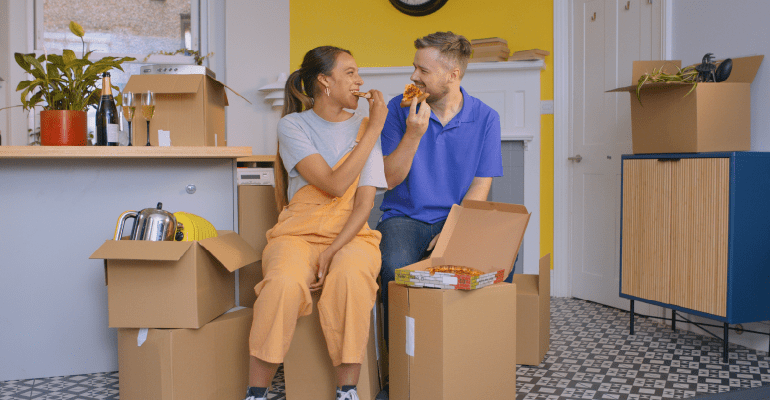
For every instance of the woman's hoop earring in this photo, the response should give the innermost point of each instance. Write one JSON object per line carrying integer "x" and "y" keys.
{"x": 328, "y": 92}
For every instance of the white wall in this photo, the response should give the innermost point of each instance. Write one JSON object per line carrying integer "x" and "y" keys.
{"x": 730, "y": 29}
{"x": 257, "y": 50}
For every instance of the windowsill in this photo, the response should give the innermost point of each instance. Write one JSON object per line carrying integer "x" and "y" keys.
{"x": 59, "y": 152}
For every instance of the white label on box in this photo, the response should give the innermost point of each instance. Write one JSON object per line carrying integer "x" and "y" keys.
{"x": 449, "y": 280}
{"x": 164, "y": 138}
{"x": 410, "y": 336}
{"x": 141, "y": 337}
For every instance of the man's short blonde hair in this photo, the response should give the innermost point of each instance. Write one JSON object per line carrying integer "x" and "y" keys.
{"x": 456, "y": 49}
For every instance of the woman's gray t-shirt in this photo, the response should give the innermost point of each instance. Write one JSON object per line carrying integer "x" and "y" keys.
{"x": 305, "y": 133}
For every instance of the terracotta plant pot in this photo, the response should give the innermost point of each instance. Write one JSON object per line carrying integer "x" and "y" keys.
{"x": 63, "y": 128}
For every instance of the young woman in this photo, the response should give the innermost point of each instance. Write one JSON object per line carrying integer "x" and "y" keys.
{"x": 321, "y": 241}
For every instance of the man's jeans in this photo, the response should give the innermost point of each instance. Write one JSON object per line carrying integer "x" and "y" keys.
{"x": 404, "y": 242}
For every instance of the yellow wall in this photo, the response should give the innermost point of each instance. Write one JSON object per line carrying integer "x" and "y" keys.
{"x": 378, "y": 35}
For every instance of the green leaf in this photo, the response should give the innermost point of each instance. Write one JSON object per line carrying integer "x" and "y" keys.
{"x": 23, "y": 85}
{"x": 68, "y": 56}
{"x": 77, "y": 29}
{"x": 22, "y": 61}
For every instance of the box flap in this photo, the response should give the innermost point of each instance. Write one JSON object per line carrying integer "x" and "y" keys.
{"x": 162, "y": 84}
{"x": 484, "y": 235}
{"x": 545, "y": 276}
{"x": 652, "y": 86}
{"x": 526, "y": 284}
{"x": 141, "y": 250}
{"x": 230, "y": 250}
{"x": 745, "y": 69}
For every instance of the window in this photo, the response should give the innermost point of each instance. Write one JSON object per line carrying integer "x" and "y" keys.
{"x": 132, "y": 28}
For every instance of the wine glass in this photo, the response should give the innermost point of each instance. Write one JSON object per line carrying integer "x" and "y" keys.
{"x": 128, "y": 112}
{"x": 148, "y": 110}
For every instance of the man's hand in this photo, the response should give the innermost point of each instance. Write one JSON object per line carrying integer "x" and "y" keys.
{"x": 433, "y": 242}
{"x": 324, "y": 260}
{"x": 417, "y": 122}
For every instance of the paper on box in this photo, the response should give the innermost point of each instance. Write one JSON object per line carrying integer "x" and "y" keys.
{"x": 713, "y": 117}
{"x": 172, "y": 284}
{"x": 462, "y": 344}
{"x": 209, "y": 363}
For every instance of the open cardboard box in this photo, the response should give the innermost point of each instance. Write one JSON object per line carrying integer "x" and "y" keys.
{"x": 479, "y": 234}
{"x": 170, "y": 284}
{"x": 533, "y": 314}
{"x": 180, "y": 364}
{"x": 714, "y": 117}
{"x": 308, "y": 370}
{"x": 190, "y": 107}
{"x": 452, "y": 344}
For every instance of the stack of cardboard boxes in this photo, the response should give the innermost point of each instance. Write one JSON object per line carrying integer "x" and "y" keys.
{"x": 459, "y": 344}
{"x": 170, "y": 302}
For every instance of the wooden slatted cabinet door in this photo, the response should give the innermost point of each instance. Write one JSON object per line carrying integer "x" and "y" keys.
{"x": 646, "y": 243}
{"x": 700, "y": 228}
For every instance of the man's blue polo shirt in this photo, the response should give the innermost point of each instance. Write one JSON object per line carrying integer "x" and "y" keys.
{"x": 447, "y": 159}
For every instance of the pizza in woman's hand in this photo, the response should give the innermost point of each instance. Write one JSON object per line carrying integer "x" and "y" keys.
{"x": 411, "y": 91}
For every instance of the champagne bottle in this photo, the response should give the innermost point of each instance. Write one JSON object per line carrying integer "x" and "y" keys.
{"x": 107, "y": 116}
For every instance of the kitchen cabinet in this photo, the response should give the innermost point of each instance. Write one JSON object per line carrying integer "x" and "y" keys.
{"x": 58, "y": 205}
{"x": 696, "y": 234}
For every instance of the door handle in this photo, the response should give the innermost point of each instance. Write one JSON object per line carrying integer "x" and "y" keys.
{"x": 577, "y": 158}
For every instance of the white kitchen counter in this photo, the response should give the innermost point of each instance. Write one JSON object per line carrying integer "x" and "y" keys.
{"x": 58, "y": 205}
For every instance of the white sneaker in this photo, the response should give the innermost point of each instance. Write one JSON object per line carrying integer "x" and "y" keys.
{"x": 255, "y": 398}
{"x": 351, "y": 394}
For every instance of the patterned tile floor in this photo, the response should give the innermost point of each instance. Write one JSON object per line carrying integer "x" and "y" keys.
{"x": 592, "y": 357}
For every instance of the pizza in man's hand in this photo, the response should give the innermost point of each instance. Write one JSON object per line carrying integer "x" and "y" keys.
{"x": 411, "y": 91}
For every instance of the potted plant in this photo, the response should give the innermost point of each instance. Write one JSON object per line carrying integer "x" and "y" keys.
{"x": 67, "y": 85}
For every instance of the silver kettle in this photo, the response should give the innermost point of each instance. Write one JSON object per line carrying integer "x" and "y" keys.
{"x": 149, "y": 224}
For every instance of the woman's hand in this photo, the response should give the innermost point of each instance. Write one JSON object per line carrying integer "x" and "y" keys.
{"x": 378, "y": 110}
{"x": 324, "y": 260}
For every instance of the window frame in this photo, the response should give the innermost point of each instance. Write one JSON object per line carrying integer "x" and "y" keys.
{"x": 199, "y": 41}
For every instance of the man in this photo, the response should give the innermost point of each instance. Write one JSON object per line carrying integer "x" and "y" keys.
{"x": 437, "y": 153}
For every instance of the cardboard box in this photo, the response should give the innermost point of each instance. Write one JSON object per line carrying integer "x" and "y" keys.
{"x": 714, "y": 117}
{"x": 479, "y": 234}
{"x": 452, "y": 344}
{"x": 172, "y": 284}
{"x": 191, "y": 107}
{"x": 257, "y": 213}
{"x": 178, "y": 364}
{"x": 307, "y": 368}
{"x": 533, "y": 314}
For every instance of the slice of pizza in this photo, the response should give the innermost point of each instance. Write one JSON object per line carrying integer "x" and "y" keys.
{"x": 365, "y": 95}
{"x": 411, "y": 91}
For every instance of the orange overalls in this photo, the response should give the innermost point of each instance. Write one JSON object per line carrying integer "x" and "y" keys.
{"x": 305, "y": 228}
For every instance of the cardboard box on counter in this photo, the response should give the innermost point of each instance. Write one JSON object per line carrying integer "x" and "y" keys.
{"x": 533, "y": 314}
{"x": 452, "y": 344}
{"x": 713, "y": 117}
{"x": 191, "y": 107}
{"x": 257, "y": 213}
{"x": 479, "y": 234}
{"x": 209, "y": 363}
{"x": 170, "y": 284}
{"x": 308, "y": 370}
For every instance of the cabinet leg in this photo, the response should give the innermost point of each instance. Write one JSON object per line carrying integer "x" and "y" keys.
{"x": 632, "y": 317}
{"x": 724, "y": 352}
{"x": 673, "y": 319}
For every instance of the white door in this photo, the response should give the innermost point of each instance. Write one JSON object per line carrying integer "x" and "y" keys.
{"x": 607, "y": 36}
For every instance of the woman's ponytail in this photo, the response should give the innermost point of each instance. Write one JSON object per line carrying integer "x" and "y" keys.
{"x": 298, "y": 96}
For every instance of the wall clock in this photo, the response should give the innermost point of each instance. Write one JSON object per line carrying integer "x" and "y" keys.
{"x": 418, "y": 8}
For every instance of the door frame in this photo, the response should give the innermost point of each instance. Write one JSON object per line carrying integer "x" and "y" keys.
{"x": 562, "y": 132}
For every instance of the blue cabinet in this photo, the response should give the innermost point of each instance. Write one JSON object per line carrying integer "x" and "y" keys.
{"x": 696, "y": 233}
